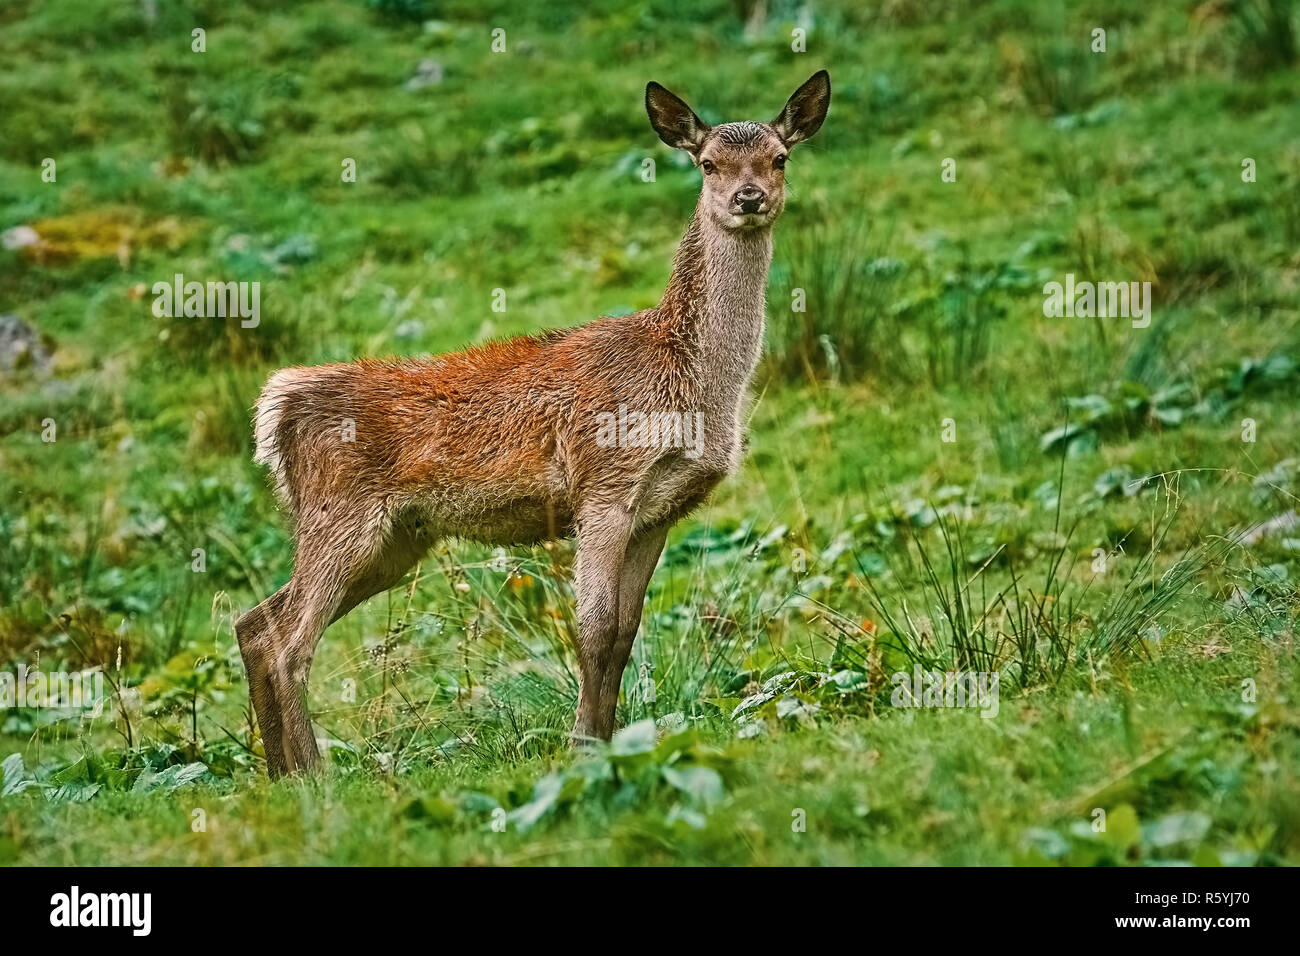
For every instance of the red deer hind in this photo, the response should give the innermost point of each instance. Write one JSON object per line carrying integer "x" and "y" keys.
{"x": 510, "y": 443}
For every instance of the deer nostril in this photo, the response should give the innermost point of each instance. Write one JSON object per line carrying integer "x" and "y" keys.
{"x": 749, "y": 199}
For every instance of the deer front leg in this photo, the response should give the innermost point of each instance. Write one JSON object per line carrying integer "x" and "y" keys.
{"x": 602, "y": 546}
{"x": 638, "y": 566}
{"x": 325, "y": 568}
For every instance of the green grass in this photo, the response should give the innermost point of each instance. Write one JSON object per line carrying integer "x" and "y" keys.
{"x": 854, "y": 541}
{"x": 916, "y": 788}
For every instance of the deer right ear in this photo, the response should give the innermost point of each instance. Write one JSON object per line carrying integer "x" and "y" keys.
{"x": 674, "y": 121}
{"x": 803, "y": 114}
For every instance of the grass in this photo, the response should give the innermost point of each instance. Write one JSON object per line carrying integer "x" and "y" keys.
{"x": 937, "y": 473}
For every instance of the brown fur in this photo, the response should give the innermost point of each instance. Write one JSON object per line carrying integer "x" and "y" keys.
{"x": 499, "y": 443}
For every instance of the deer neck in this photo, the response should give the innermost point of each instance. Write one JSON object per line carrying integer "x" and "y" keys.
{"x": 716, "y": 297}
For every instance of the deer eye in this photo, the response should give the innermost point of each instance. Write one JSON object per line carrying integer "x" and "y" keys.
{"x": 707, "y": 165}
{"x": 779, "y": 162}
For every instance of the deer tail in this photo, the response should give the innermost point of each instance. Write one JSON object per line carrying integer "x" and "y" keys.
{"x": 274, "y": 426}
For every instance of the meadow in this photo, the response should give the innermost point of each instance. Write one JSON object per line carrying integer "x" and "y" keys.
{"x": 940, "y": 477}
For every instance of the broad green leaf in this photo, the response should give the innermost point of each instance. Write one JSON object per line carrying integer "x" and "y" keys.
{"x": 687, "y": 817}
{"x": 682, "y": 741}
{"x": 435, "y": 810}
{"x": 1175, "y": 828}
{"x": 15, "y": 776}
{"x": 1122, "y": 830}
{"x": 169, "y": 778}
{"x": 1093, "y": 407}
{"x": 848, "y": 680}
{"x": 474, "y": 801}
{"x": 791, "y": 706}
{"x": 1046, "y": 843}
{"x": 1206, "y": 856}
{"x": 726, "y": 705}
{"x": 1112, "y": 481}
{"x": 72, "y": 793}
{"x": 635, "y": 738}
{"x": 11, "y": 772}
{"x": 702, "y": 784}
{"x": 1058, "y": 436}
{"x": 548, "y": 792}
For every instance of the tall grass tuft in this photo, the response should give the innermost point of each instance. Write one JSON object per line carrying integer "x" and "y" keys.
{"x": 1033, "y": 633}
{"x": 219, "y": 128}
{"x": 955, "y": 323}
{"x": 1264, "y": 32}
{"x": 1059, "y": 76}
{"x": 832, "y": 290}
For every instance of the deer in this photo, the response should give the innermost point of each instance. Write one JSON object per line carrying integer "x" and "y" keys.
{"x": 375, "y": 461}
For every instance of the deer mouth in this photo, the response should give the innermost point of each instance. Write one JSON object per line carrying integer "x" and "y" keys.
{"x": 741, "y": 221}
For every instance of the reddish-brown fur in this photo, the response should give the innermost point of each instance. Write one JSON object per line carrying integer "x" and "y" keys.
{"x": 377, "y": 460}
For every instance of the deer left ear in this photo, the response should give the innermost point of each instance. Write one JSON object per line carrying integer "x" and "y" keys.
{"x": 674, "y": 121}
{"x": 805, "y": 110}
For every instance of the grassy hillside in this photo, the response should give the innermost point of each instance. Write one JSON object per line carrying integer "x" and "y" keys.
{"x": 939, "y": 474}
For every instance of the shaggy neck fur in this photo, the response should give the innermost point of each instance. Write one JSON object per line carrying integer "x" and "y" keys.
{"x": 715, "y": 299}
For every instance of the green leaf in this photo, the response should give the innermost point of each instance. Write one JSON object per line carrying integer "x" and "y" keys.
{"x": 771, "y": 538}
{"x": 687, "y": 817}
{"x": 772, "y": 687}
{"x": 1065, "y": 434}
{"x": 11, "y": 772}
{"x": 435, "y": 810}
{"x": 848, "y": 681}
{"x": 72, "y": 793}
{"x": 1206, "y": 856}
{"x": 702, "y": 784}
{"x": 791, "y": 706}
{"x": 724, "y": 704}
{"x": 169, "y": 778}
{"x": 1122, "y": 829}
{"x": 545, "y": 793}
{"x": 1169, "y": 415}
{"x": 475, "y": 801}
{"x": 683, "y": 741}
{"x": 78, "y": 772}
{"x": 15, "y": 776}
{"x": 1044, "y": 843}
{"x": 1175, "y": 828}
{"x": 637, "y": 738}
{"x": 549, "y": 792}
{"x": 1112, "y": 481}
{"x": 1094, "y": 407}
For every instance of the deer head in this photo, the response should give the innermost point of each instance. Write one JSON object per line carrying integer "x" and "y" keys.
{"x": 743, "y": 163}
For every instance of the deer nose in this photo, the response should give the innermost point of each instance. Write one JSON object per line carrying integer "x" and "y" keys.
{"x": 749, "y": 198}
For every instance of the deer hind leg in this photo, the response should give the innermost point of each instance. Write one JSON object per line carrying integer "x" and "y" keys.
{"x": 331, "y": 578}
{"x": 602, "y": 545}
{"x": 638, "y": 565}
{"x": 314, "y": 592}
{"x": 256, "y": 632}
{"x": 405, "y": 544}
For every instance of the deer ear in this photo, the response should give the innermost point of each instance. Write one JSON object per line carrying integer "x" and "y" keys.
{"x": 674, "y": 121}
{"x": 805, "y": 110}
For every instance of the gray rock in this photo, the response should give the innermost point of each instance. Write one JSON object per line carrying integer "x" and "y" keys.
{"x": 428, "y": 73}
{"x": 19, "y": 237}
